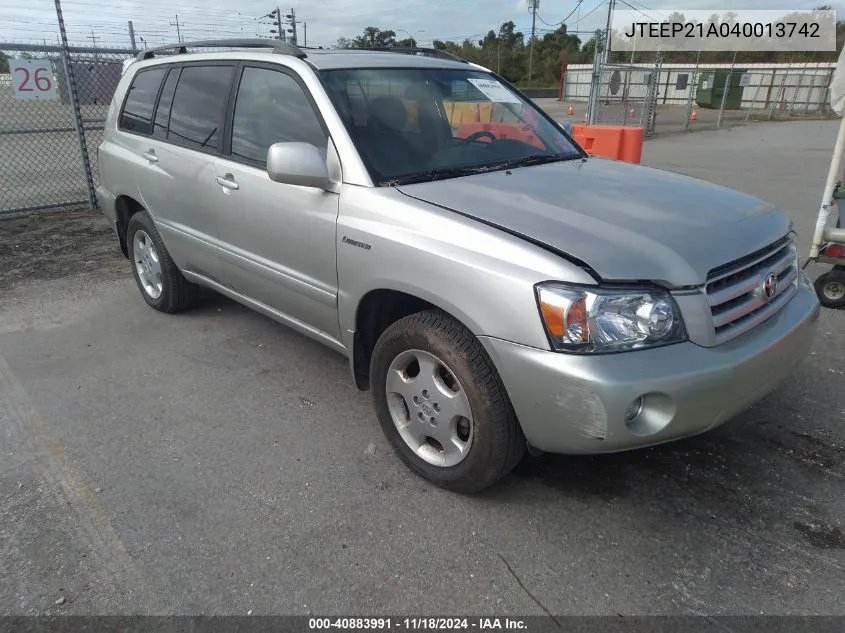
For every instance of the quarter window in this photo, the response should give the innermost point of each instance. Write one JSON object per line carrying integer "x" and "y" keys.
{"x": 196, "y": 116}
{"x": 137, "y": 115}
{"x": 272, "y": 107}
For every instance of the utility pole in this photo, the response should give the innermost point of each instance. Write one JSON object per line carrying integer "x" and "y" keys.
{"x": 498, "y": 55}
{"x": 132, "y": 35}
{"x": 93, "y": 39}
{"x": 606, "y": 53}
{"x": 305, "y": 30}
{"x": 592, "y": 105}
{"x": 280, "y": 29}
{"x": 178, "y": 30}
{"x": 292, "y": 17}
{"x": 533, "y": 5}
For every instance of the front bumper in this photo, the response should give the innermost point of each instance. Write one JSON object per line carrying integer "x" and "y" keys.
{"x": 576, "y": 404}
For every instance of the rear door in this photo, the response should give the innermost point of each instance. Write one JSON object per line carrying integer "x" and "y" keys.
{"x": 177, "y": 184}
{"x": 277, "y": 240}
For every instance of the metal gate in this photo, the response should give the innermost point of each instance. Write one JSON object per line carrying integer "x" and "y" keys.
{"x": 627, "y": 95}
{"x": 52, "y": 111}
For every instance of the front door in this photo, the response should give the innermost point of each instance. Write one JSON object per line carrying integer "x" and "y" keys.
{"x": 277, "y": 241}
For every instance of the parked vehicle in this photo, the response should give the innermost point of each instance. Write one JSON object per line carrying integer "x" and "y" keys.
{"x": 828, "y": 242}
{"x": 494, "y": 287}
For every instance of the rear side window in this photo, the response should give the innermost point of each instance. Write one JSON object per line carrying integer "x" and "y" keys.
{"x": 164, "y": 103}
{"x": 137, "y": 114}
{"x": 272, "y": 108}
{"x": 199, "y": 105}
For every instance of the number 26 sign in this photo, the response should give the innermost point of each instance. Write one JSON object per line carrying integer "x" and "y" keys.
{"x": 32, "y": 79}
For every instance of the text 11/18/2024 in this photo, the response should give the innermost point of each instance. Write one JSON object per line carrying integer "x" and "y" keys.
{"x": 417, "y": 624}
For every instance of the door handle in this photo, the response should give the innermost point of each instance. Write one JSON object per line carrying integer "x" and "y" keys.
{"x": 227, "y": 182}
{"x": 150, "y": 155}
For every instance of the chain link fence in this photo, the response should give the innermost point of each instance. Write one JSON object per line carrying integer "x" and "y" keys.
{"x": 665, "y": 98}
{"x": 52, "y": 112}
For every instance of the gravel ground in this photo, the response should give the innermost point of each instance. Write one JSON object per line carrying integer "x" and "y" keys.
{"x": 57, "y": 245}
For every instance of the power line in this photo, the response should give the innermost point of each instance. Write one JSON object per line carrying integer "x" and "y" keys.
{"x": 594, "y": 9}
{"x": 577, "y": 6}
{"x": 631, "y": 6}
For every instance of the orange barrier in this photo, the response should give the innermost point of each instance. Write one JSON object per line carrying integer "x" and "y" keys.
{"x": 611, "y": 141}
{"x": 515, "y": 131}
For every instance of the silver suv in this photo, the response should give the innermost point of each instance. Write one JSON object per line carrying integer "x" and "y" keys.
{"x": 493, "y": 286}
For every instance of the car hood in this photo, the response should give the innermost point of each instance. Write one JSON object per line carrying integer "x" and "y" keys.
{"x": 625, "y": 222}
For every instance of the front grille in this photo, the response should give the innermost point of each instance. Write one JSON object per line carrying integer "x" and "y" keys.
{"x": 736, "y": 291}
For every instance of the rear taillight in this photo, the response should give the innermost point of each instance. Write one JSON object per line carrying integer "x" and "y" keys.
{"x": 834, "y": 250}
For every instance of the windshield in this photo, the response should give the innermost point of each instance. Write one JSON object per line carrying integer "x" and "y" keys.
{"x": 415, "y": 125}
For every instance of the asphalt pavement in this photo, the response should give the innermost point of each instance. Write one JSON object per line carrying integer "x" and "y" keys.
{"x": 215, "y": 462}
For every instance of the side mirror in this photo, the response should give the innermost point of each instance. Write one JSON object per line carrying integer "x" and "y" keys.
{"x": 298, "y": 164}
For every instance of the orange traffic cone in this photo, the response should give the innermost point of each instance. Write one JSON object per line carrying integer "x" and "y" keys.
{"x": 693, "y": 115}
{"x": 631, "y": 113}
{"x": 571, "y": 110}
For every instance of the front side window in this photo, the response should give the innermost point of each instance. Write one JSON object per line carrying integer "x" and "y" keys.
{"x": 271, "y": 107}
{"x": 137, "y": 114}
{"x": 414, "y": 125}
{"x": 198, "y": 109}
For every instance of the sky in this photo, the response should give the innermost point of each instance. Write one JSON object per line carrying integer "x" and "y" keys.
{"x": 104, "y": 22}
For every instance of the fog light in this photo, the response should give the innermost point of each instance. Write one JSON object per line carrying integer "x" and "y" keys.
{"x": 633, "y": 411}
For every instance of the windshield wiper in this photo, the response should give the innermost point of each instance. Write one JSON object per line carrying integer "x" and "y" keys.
{"x": 442, "y": 173}
{"x": 534, "y": 159}
{"x": 435, "y": 174}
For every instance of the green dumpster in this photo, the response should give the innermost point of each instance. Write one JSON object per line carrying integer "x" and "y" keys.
{"x": 711, "y": 87}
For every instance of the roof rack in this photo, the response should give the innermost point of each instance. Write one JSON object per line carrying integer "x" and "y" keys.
{"x": 277, "y": 46}
{"x": 418, "y": 50}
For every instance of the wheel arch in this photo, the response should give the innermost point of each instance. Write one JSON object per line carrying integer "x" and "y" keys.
{"x": 378, "y": 309}
{"x": 125, "y": 208}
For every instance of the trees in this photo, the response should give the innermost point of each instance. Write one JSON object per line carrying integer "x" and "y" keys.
{"x": 372, "y": 37}
{"x": 505, "y": 50}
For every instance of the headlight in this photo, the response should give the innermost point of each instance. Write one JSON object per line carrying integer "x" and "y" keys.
{"x": 593, "y": 320}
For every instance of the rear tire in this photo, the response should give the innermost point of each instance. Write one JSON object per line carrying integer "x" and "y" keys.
{"x": 161, "y": 283}
{"x": 465, "y": 397}
{"x": 830, "y": 288}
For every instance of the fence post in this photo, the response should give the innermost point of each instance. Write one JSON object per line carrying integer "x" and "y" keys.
{"x": 780, "y": 91}
{"x": 791, "y": 105}
{"x": 823, "y": 106}
{"x": 693, "y": 88}
{"x": 73, "y": 95}
{"x": 754, "y": 100}
{"x": 725, "y": 92}
{"x": 650, "y": 110}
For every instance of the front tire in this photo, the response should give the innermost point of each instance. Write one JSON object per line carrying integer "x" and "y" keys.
{"x": 442, "y": 405}
{"x": 159, "y": 280}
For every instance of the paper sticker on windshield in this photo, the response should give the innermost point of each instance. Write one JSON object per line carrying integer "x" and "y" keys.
{"x": 495, "y": 91}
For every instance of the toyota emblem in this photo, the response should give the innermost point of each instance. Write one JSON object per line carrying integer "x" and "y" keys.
{"x": 770, "y": 286}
